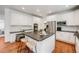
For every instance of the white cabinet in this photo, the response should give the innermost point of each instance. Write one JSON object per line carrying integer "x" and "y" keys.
{"x": 69, "y": 17}
{"x": 77, "y": 45}
{"x": 72, "y": 18}
{"x": 65, "y": 36}
{"x": 18, "y": 18}
{"x": 12, "y": 37}
{"x": 60, "y": 17}
{"x": 57, "y": 17}
{"x": 31, "y": 43}
{"x": 45, "y": 46}
{"x": 76, "y": 16}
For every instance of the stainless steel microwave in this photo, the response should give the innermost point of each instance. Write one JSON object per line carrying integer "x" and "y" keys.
{"x": 62, "y": 23}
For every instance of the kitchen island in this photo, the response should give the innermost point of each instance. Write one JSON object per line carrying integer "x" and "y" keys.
{"x": 40, "y": 43}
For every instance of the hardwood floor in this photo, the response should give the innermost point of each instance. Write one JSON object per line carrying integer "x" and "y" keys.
{"x": 15, "y": 47}
{"x": 2, "y": 43}
{"x": 19, "y": 47}
{"x": 63, "y": 47}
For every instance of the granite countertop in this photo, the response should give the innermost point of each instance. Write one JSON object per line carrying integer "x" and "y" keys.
{"x": 36, "y": 35}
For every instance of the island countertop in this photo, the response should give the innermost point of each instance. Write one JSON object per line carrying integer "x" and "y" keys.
{"x": 36, "y": 35}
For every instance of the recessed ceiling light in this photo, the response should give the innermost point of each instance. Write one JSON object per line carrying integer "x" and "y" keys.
{"x": 23, "y": 8}
{"x": 37, "y": 10}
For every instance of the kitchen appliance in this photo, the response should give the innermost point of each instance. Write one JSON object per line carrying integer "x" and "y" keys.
{"x": 51, "y": 26}
{"x": 58, "y": 28}
{"x": 61, "y": 23}
{"x": 35, "y": 27}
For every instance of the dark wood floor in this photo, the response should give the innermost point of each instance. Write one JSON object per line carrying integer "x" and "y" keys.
{"x": 60, "y": 47}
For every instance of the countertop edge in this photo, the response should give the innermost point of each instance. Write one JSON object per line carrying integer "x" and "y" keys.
{"x": 42, "y": 39}
{"x": 67, "y": 31}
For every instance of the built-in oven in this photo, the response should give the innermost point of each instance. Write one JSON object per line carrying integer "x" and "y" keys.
{"x": 60, "y": 24}
{"x": 58, "y": 28}
{"x": 35, "y": 27}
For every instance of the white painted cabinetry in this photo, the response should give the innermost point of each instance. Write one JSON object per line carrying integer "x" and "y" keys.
{"x": 69, "y": 18}
{"x": 18, "y": 18}
{"x": 77, "y": 45}
{"x": 45, "y": 46}
{"x": 72, "y": 18}
{"x": 76, "y": 16}
{"x": 12, "y": 37}
{"x": 65, "y": 36}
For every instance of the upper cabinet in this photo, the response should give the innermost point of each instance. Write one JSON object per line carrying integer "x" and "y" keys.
{"x": 57, "y": 17}
{"x": 71, "y": 18}
{"x": 18, "y": 18}
{"x": 76, "y": 17}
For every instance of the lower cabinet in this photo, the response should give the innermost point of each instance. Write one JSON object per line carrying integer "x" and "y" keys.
{"x": 66, "y": 37}
{"x": 77, "y": 45}
{"x": 12, "y": 37}
{"x": 45, "y": 46}
{"x": 31, "y": 43}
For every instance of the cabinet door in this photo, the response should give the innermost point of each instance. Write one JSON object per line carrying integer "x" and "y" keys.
{"x": 69, "y": 17}
{"x": 18, "y": 18}
{"x": 72, "y": 18}
{"x": 66, "y": 36}
{"x": 31, "y": 43}
{"x": 12, "y": 37}
{"x": 76, "y": 16}
{"x": 77, "y": 45}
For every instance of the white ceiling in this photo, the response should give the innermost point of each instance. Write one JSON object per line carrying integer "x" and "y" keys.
{"x": 40, "y": 10}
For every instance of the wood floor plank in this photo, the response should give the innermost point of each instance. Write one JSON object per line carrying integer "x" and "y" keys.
{"x": 63, "y": 47}
{"x": 60, "y": 47}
